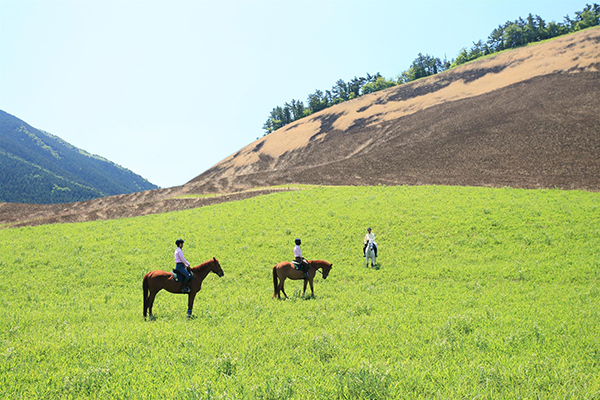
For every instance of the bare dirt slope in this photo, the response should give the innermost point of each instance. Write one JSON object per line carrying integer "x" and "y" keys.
{"x": 526, "y": 118}
{"x": 114, "y": 207}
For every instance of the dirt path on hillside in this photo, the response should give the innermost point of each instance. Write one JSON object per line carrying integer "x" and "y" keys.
{"x": 14, "y": 215}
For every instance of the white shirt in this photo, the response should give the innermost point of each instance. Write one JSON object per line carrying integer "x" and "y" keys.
{"x": 179, "y": 258}
{"x": 297, "y": 251}
{"x": 369, "y": 236}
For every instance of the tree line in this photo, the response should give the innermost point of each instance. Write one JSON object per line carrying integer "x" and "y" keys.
{"x": 510, "y": 35}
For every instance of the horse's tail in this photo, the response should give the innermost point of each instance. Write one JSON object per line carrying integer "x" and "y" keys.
{"x": 274, "y": 280}
{"x": 146, "y": 294}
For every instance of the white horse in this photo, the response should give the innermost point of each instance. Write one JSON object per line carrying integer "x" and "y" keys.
{"x": 370, "y": 253}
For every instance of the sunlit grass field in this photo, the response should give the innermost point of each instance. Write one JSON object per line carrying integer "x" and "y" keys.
{"x": 481, "y": 293}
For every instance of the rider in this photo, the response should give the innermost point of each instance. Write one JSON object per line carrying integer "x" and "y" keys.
{"x": 299, "y": 259}
{"x": 182, "y": 265}
{"x": 370, "y": 236}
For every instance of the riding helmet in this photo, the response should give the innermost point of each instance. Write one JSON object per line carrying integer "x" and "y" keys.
{"x": 178, "y": 242}
{"x": 298, "y": 242}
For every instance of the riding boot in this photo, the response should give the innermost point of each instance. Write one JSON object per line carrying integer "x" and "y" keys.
{"x": 184, "y": 287}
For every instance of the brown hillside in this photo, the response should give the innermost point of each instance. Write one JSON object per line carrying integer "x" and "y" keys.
{"x": 523, "y": 118}
{"x": 157, "y": 201}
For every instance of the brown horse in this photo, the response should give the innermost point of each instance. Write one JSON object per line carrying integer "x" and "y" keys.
{"x": 155, "y": 281}
{"x": 285, "y": 270}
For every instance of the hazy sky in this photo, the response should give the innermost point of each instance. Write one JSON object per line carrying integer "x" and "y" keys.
{"x": 170, "y": 88}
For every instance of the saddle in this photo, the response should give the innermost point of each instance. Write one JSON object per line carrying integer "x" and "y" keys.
{"x": 178, "y": 276}
{"x": 298, "y": 266}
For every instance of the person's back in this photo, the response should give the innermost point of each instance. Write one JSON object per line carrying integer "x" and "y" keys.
{"x": 182, "y": 265}
{"x": 298, "y": 257}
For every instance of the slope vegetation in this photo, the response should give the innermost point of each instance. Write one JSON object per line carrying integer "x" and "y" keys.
{"x": 524, "y": 118}
{"x": 37, "y": 167}
{"x": 493, "y": 295}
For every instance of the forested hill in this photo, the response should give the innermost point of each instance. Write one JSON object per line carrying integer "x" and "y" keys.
{"x": 38, "y": 167}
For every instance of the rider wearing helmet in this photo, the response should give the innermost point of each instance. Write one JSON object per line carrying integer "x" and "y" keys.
{"x": 182, "y": 265}
{"x": 298, "y": 257}
{"x": 370, "y": 236}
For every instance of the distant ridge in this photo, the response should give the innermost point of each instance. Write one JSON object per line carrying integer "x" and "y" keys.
{"x": 527, "y": 118}
{"x": 38, "y": 167}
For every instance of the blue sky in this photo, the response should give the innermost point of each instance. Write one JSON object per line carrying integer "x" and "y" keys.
{"x": 170, "y": 88}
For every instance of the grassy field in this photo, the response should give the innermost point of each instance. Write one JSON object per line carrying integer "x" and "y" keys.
{"x": 481, "y": 293}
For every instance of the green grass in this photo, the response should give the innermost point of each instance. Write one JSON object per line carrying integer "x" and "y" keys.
{"x": 481, "y": 293}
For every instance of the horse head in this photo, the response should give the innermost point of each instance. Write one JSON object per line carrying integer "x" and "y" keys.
{"x": 216, "y": 267}
{"x": 326, "y": 269}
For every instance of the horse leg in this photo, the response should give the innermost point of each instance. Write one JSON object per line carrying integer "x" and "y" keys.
{"x": 275, "y": 284}
{"x": 312, "y": 288}
{"x": 146, "y": 290}
{"x": 191, "y": 297}
{"x": 305, "y": 282}
{"x": 281, "y": 287}
{"x": 151, "y": 303}
{"x": 283, "y": 291}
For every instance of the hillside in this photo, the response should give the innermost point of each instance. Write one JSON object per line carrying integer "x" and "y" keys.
{"x": 524, "y": 118}
{"x": 38, "y": 167}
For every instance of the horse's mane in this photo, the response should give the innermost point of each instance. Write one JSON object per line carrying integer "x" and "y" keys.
{"x": 319, "y": 262}
{"x": 202, "y": 266}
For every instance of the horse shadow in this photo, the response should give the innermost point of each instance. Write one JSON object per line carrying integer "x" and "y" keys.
{"x": 376, "y": 267}
{"x": 297, "y": 296}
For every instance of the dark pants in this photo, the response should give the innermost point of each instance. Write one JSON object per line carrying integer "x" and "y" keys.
{"x": 180, "y": 267}
{"x": 302, "y": 261}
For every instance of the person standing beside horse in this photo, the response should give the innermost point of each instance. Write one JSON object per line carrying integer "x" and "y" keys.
{"x": 369, "y": 236}
{"x": 182, "y": 265}
{"x": 299, "y": 259}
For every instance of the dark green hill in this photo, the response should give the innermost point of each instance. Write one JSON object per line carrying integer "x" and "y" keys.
{"x": 38, "y": 167}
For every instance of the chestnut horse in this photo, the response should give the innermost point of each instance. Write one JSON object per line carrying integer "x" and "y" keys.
{"x": 285, "y": 269}
{"x": 155, "y": 281}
